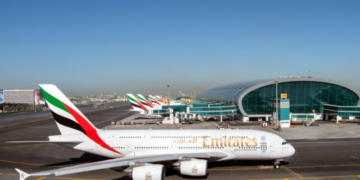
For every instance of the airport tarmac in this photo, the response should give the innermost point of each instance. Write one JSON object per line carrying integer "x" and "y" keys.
{"x": 323, "y": 130}
{"x": 332, "y": 158}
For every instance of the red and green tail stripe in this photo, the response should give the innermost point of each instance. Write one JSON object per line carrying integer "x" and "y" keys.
{"x": 85, "y": 126}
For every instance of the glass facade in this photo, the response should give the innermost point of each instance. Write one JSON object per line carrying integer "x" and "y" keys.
{"x": 302, "y": 116}
{"x": 204, "y": 111}
{"x": 196, "y": 104}
{"x": 341, "y": 110}
{"x": 177, "y": 108}
{"x": 304, "y": 97}
{"x": 161, "y": 111}
{"x": 227, "y": 94}
{"x": 214, "y": 105}
{"x": 214, "y": 111}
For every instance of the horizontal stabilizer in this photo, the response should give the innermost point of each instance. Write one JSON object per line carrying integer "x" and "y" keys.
{"x": 23, "y": 175}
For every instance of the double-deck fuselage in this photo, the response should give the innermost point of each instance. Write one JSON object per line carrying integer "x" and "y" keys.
{"x": 237, "y": 144}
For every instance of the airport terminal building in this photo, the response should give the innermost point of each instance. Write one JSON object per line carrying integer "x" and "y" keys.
{"x": 306, "y": 95}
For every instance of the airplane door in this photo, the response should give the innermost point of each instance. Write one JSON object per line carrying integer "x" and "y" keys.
{"x": 272, "y": 147}
{"x": 98, "y": 148}
{"x": 129, "y": 147}
{"x": 173, "y": 147}
{"x": 145, "y": 137}
{"x": 113, "y": 138}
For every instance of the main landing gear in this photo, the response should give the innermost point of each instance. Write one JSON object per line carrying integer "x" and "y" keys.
{"x": 277, "y": 164}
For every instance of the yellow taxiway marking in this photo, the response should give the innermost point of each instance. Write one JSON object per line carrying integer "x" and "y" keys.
{"x": 32, "y": 164}
{"x": 75, "y": 178}
{"x": 319, "y": 177}
{"x": 23, "y": 146}
{"x": 41, "y": 178}
{"x": 324, "y": 166}
{"x": 19, "y": 143}
{"x": 355, "y": 157}
{"x": 41, "y": 122}
{"x": 292, "y": 171}
{"x": 294, "y": 167}
{"x": 29, "y": 137}
{"x": 54, "y": 177}
{"x": 238, "y": 169}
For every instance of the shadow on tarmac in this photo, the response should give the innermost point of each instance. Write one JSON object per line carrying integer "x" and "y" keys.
{"x": 170, "y": 171}
{"x": 240, "y": 164}
{"x": 85, "y": 158}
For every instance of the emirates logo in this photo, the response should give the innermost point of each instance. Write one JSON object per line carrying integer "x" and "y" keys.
{"x": 194, "y": 169}
{"x": 148, "y": 176}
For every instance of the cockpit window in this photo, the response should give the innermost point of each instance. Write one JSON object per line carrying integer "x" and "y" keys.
{"x": 284, "y": 143}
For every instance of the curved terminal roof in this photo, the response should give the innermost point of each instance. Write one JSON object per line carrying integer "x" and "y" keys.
{"x": 237, "y": 91}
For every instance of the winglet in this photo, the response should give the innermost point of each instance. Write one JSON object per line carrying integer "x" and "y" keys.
{"x": 23, "y": 175}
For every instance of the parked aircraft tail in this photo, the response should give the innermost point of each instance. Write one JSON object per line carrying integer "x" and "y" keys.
{"x": 154, "y": 101}
{"x": 145, "y": 102}
{"x": 68, "y": 118}
{"x": 137, "y": 106}
{"x": 160, "y": 100}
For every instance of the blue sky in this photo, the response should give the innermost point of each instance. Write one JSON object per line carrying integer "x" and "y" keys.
{"x": 93, "y": 47}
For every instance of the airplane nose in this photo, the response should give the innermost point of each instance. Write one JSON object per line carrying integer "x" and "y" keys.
{"x": 292, "y": 150}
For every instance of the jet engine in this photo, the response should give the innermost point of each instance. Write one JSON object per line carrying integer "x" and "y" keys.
{"x": 193, "y": 168}
{"x": 152, "y": 172}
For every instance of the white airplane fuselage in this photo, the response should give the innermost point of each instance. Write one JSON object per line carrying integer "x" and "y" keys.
{"x": 237, "y": 144}
{"x": 144, "y": 153}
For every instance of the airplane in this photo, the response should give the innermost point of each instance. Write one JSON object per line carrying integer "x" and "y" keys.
{"x": 145, "y": 102}
{"x": 145, "y": 153}
{"x": 154, "y": 101}
{"x": 141, "y": 106}
{"x": 135, "y": 103}
{"x": 160, "y": 99}
{"x": 169, "y": 102}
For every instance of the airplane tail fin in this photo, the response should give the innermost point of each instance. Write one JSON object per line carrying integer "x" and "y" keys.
{"x": 159, "y": 99}
{"x": 137, "y": 106}
{"x": 23, "y": 175}
{"x": 68, "y": 118}
{"x": 145, "y": 102}
{"x": 154, "y": 101}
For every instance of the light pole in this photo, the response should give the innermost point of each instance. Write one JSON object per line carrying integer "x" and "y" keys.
{"x": 232, "y": 113}
{"x": 233, "y": 99}
{"x": 195, "y": 93}
{"x": 276, "y": 100}
{"x": 168, "y": 86}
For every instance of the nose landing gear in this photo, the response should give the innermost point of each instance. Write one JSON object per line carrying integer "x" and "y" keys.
{"x": 277, "y": 164}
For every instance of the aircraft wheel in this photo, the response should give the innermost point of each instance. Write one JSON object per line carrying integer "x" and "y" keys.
{"x": 276, "y": 166}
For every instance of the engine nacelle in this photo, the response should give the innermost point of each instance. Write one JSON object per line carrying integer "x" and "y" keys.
{"x": 153, "y": 172}
{"x": 194, "y": 168}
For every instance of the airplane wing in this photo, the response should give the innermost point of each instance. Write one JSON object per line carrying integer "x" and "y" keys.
{"x": 120, "y": 162}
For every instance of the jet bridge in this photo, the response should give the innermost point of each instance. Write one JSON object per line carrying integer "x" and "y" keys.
{"x": 341, "y": 112}
{"x": 172, "y": 113}
{"x": 203, "y": 111}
